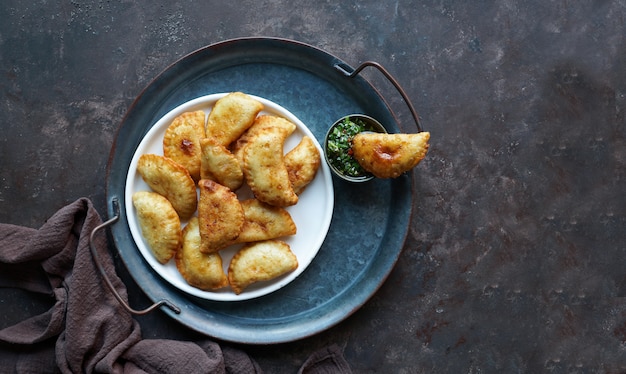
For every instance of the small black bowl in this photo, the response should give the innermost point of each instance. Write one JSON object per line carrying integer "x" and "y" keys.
{"x": 369, "y": 125}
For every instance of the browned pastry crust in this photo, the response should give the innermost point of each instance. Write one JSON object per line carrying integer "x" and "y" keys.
{"x": 159, "y": 223}
{"x": 260, "y": 261}
{"x": 389, "y": 155}
{"x": 181, "y": 141}
{"x": 263, "y": 222}
{"x": 220, "y": 216}
{"x": 261, "y": 122}
{"x": 265, "y": 170}
{"x": 171, "y": 180}
{"x": 200, "y": 270}
{"x": 302, "y": 163}
{"x": 231, "y": 116}
{"x": 219, "y": 165}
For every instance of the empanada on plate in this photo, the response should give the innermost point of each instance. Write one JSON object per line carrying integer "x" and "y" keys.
{"x": 181, "y": 141}
{"x": 389, "y": 155}
{"x": 200, "y": 270}
{"x": 263, "y": 222}
{"x": 261, "y": 122}
{"x": 220, "y": 216}
{"x": 265, "y": 170}
{"x": 302, "y": 163}
{"x": 159, "y": 223}
{"x": 171, "y": 180}
{"x": 219, "y": 165}
{"x": 231, "y": 116}
{"x": 260, "y": 261}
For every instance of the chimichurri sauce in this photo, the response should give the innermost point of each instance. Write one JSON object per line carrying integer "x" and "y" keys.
{"x": 339, "y": 146}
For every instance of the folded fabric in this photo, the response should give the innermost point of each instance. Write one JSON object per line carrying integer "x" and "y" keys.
{"x": 87, "y": 330}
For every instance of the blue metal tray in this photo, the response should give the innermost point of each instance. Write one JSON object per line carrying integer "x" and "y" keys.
{"x": 370, "y": 221}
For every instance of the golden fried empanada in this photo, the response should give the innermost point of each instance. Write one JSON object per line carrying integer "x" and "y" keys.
{"x": 159, "y": 224}
{"x": 231, "y": 116}
{"x": 181, "y": 141}
{"x": 260, "y": 261}
{"x": 263, "y": 221}
{"x": 261, "y": 122}
{"x": 200, "y": 270}
{"x": 171, "y": 180}
{"x": 219, "y": 165}
{"x": 389, "y": 155}
{"x": 302, "y": 163}
{"x": 265, "y": 170}
{"x": 220, "y": 216}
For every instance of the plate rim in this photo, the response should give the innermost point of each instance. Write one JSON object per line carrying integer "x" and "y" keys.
{"x": 206, "y": 101}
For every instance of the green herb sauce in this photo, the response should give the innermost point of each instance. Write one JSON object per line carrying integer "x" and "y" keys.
{"x": 339, "y": 146}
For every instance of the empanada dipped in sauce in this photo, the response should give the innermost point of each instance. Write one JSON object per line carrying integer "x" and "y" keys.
{"x": 159, "y": 224}
{"x": 265, "y": 170}
{"x": 302, "y": 163}
{"x": 171, "y": 180}
{"x": 200, "y": 270}
{"x": 260, "y": 261}
{"x": 389, "y": 155}
{"x": 219, "y": 165}
{"x": 231, "y": 116}
{"x": 181, "y": 141}
{"x": 261, "y": 122}
{"x": 263, "y": 222}
{"x": 220, "y": 216}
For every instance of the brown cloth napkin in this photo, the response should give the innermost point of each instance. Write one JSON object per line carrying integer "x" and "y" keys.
{"x": 87, "y": 330}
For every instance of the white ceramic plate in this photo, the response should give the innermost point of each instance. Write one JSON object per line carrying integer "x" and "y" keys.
{"x": 312, "y": 214}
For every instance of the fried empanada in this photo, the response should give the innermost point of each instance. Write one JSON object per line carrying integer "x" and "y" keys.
{"x": 220, "y": 216}
{"x": 261, "y": 122}
{"x": 219, "y": 165}
{"x": 159, "y": 223}
{"x": 260, "y": 261}
{"x": 302, "y": 163}
{"x": 265, "y": 170}
{"x": 263, "y": 222}
{"x": 171, "y": 180}
{"x": 200, "y": 270}
{"x": 389, "y": 155}
{"x": 181, "y": 141}
{"x": 231, "y": 116}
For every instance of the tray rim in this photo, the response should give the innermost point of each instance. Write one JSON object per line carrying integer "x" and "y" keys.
{"x": 283, "y": 333}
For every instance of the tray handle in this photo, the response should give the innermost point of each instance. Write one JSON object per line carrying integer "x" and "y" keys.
{"x": 350, "y": 73}
{"x": 96, "y": 257}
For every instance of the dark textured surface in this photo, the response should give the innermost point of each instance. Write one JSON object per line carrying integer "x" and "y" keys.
{"x": 516, "y": 254}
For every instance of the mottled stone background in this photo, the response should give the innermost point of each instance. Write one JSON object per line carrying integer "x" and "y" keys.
{"x": 516, "y": 255}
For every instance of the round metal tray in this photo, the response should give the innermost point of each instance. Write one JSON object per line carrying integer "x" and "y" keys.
{"x": 369, "y": 222}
